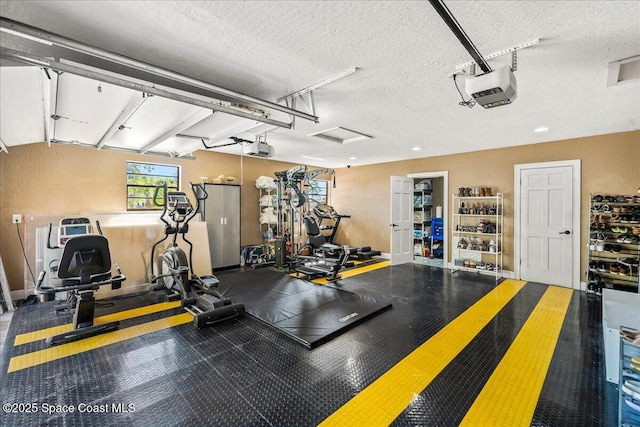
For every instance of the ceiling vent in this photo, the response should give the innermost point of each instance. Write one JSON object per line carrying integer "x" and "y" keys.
{"x": 341, "y": 135}
{"x": 623, "y": 70}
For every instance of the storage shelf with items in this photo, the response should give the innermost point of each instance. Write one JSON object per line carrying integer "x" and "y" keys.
{"x": 629, "y": 378}
{"x": 268, "y": 215}
{"x": 478, "y": 239}
{"x": 422, "y": 207}
{"x": 614, "y": 244}
{"x": 264, "y": 253}
{"x": 436, "y": 239}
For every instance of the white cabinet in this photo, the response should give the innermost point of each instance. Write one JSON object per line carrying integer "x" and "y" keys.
{"x": 222, "y": 215}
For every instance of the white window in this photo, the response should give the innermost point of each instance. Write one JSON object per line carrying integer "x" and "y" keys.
{"x": 142, "y": 180}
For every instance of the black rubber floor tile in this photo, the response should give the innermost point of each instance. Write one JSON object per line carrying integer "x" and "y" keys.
{"x": 446, "y": 400}
{"x": 244, "y": 373}
{"x": 575, "y": 391}
{"x": 281, "y": 404}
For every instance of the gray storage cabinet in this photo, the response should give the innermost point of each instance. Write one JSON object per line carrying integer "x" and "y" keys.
{"x": 221, "y": 211}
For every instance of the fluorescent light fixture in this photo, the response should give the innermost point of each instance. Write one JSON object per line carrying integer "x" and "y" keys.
{"x": 341, "y": 135}
{"x": 541, "y": 129}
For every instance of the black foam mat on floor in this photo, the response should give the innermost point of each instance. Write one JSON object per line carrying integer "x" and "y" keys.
{"x": 307, "y": 312}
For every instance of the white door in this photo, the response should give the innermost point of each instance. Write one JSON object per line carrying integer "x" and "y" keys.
{"x": 401, "y": 220}
{"x": 546, "y": 225}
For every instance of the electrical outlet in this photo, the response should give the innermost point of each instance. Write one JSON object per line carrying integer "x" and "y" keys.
{"x": 17, "y": 219}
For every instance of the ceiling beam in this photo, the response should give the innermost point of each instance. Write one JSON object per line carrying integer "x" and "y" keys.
{"x": 121, "y": 149}
{"x": 196, "y": 117}
{"x": 36, "y": 34}
{"x": 134, "y": 103}
{"x": 136, "y": 84}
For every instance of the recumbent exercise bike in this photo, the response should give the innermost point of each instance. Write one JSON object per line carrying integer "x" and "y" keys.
{"x": 176, "y": 276}
{"x": 84, "y": 267}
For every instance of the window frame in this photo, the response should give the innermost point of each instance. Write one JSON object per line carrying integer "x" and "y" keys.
{"x": 177, "y": 177}
{"x": 313, "y": 195}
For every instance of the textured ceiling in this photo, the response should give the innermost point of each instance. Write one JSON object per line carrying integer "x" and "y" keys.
{"x": 402, "y": 93}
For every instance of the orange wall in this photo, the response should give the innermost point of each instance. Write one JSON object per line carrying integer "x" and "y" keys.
{"x": 64, "y": 180}
{"x": 39, "y": 180}
{"x": 610, "y": 164}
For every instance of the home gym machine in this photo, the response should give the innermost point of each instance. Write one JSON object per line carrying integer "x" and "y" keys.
{"x": 328, "y": 213}
{"x": 324, "y": 259}
{"x": 176, "y": 276}
{"x": 84, "y": 267}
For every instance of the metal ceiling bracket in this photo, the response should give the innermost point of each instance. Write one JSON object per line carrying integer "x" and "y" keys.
{"x": 502, "y": 52}
{"x": 49, "y": 103}
{"x": 3, "y": 147}
{"x": 514, "y": 60}
{"x": 319, "y": 84}
{"x": 309, "y": 105}
{"x": 293, "y": 119}
{"x": 38, "y": 35}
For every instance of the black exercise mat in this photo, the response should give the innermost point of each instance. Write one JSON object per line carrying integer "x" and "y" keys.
{"x": 305, "y": 311}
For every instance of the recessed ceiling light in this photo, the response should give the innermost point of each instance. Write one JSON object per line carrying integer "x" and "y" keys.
{"x": 416, "y": 148}
{"x": 541, "y": 129}
{"x": 353, "y": 158}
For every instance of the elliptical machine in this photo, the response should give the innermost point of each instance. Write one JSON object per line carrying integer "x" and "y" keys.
{"x": 176, "y": 276}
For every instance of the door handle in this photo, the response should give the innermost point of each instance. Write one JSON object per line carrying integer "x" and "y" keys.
{"x": 565, "y": 232}
{"x": 393, "y": 225}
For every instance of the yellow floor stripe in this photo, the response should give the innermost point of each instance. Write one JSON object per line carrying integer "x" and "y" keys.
{"x": 65, "y": 350}
{"x": 383, "y": 400}
{"x": 121, "y": 315}
{"x": 510, "y": 396}
{"x": 355, "y": 271}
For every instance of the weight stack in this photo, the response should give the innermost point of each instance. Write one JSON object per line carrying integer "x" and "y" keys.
{"x": 281, "y": 252}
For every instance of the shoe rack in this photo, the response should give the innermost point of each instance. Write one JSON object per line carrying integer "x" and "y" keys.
{"x": 477, "y": 230}
{"x": 614, "y": 243}
{"x": 629, "y": 383}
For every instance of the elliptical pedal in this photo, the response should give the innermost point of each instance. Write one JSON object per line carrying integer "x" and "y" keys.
{"x": 209, "y": 281}
{"x": 211, "y": 317}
